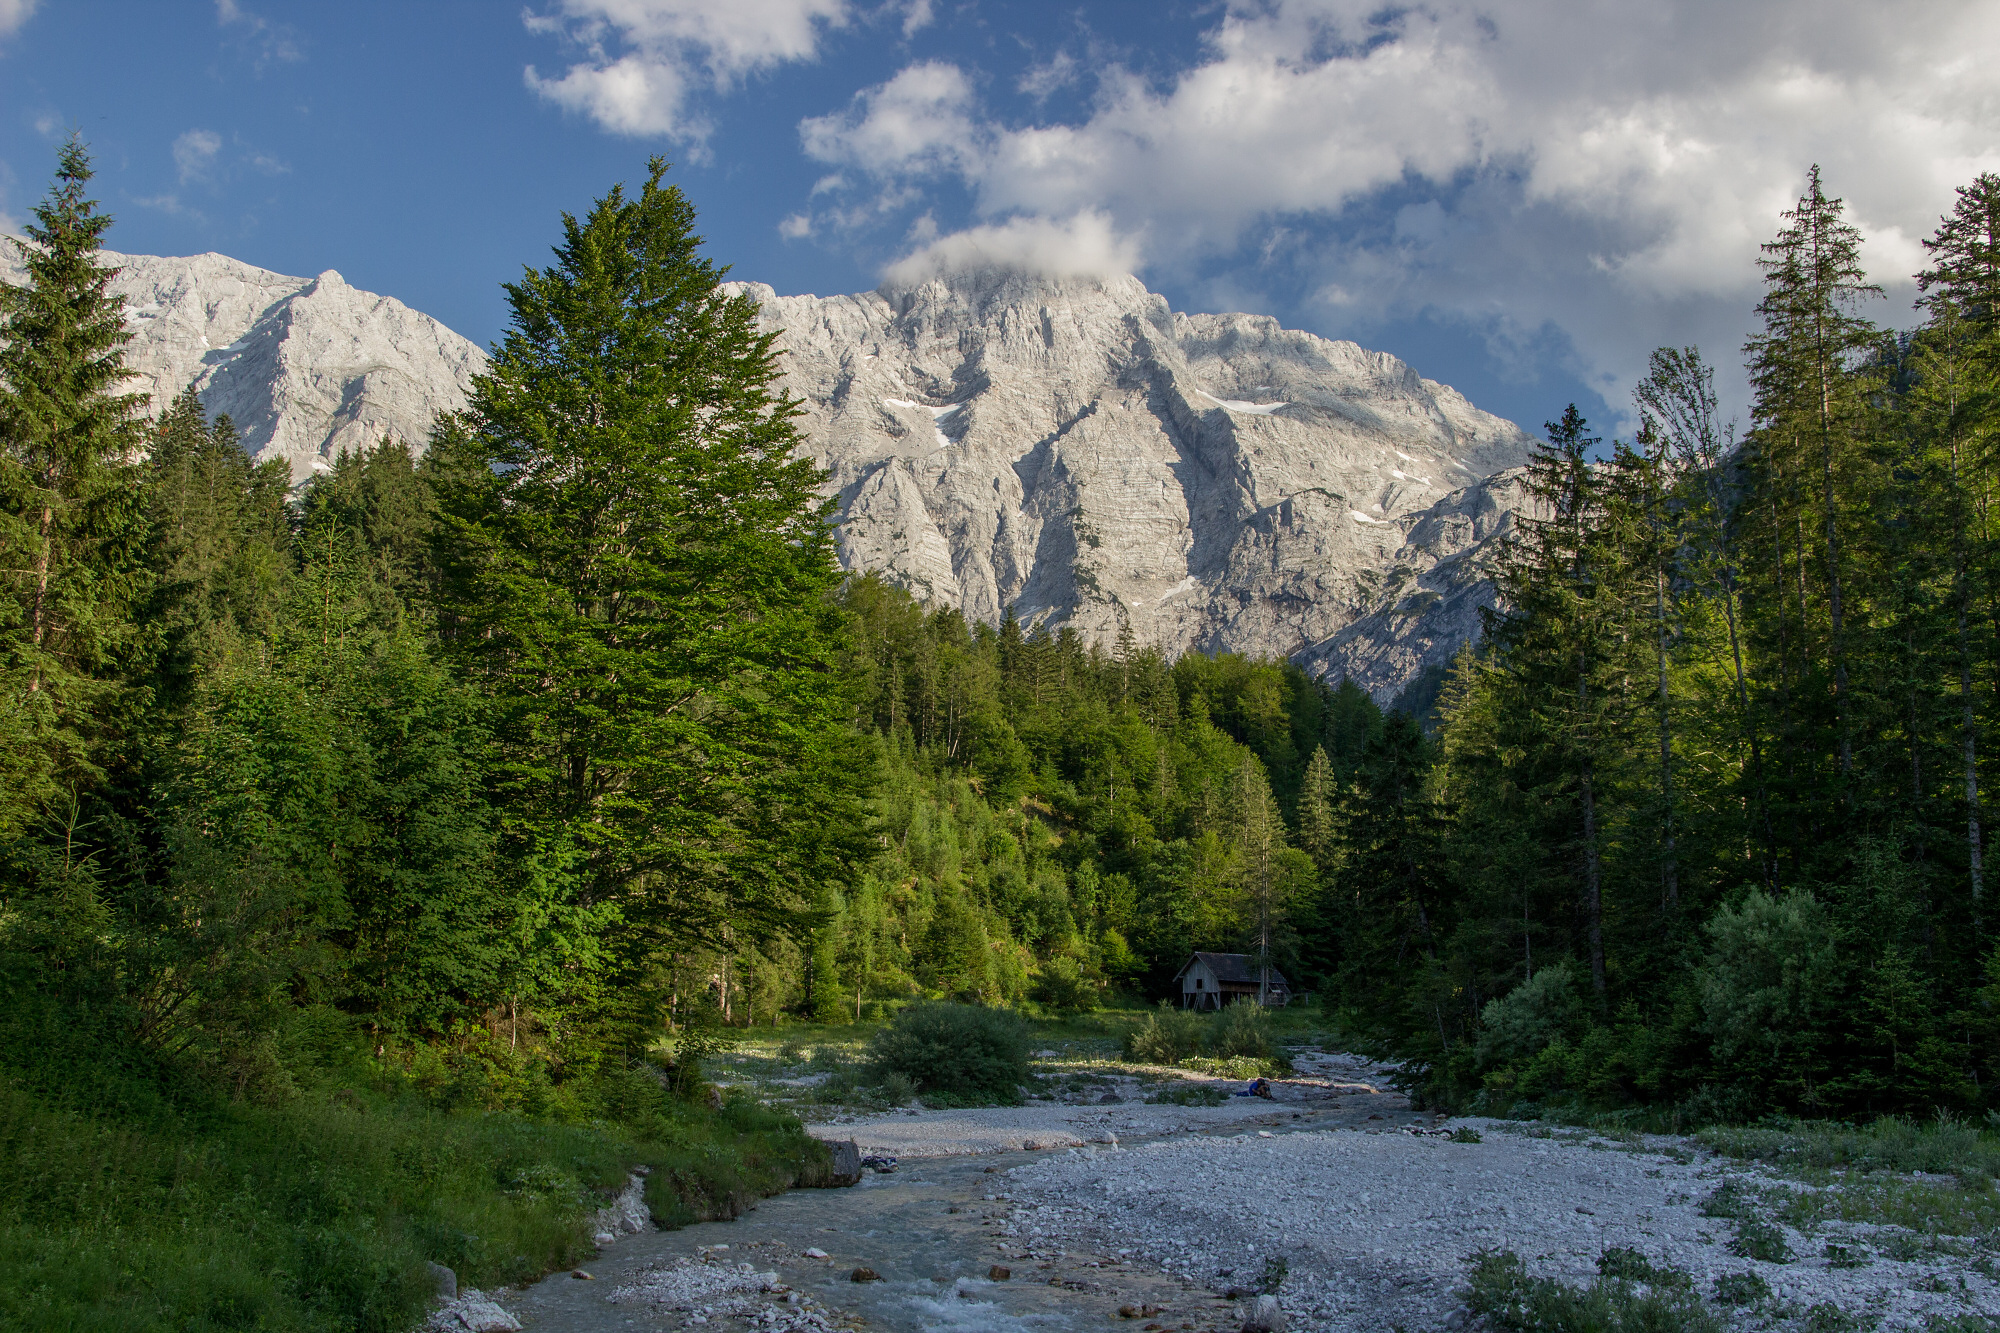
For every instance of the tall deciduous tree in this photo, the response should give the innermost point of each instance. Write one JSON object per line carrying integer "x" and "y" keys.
{"x": 69, "y": 523}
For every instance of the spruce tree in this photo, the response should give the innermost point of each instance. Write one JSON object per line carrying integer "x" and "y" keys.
{"x": 1801, "y": 367}
{"x": 638, "y": 569}
{"x": 69, "y": 527}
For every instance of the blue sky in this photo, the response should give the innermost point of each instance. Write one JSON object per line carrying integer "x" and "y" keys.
{"x": 1519, "y": 199}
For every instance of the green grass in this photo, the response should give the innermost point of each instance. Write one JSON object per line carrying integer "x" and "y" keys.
{"x": 132, "y": 1200}
{"x": 1942, "y": 1147}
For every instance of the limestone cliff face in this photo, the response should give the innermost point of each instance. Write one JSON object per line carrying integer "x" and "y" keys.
{"x": 1076, "y": 450}
{"x": 1070, "y": 448}
{"x": 307, "y": 367}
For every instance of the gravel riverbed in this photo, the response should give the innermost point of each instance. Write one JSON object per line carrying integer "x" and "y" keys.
{"x": 1058, "y": 1216}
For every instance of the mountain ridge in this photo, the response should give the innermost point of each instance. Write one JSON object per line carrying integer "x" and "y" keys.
{"x": 1069, "y": 448}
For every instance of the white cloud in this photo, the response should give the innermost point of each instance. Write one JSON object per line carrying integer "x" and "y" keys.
{"x": 14, "y": 13}
{"x": 641, "y": 59}
{"x": 1601, "y": 171}
{"x": 273, "y": 41}
{"x": 1083, "y": 245}
{"x": 918, "y": 122}
{"x": 194, "y": 154}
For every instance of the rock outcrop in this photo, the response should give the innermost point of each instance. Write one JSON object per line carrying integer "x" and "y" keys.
{"x": 1077, "y": 451}
{"x": 306, "y": 367}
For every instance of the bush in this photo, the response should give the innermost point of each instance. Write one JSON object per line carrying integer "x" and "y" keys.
{"x": 1189, "y": 1094}
{"x": 1758, "y": 1239}
{"x": 1167, "y": 1037}
{"x": 1943, "y": 1147}
{"x": 1520, "y": 1024}
{"x": 1064, "y": 987}
{"x": 1623, "y": 1262}
{"x": 1741, "y": 1289}
{"x": 1243, "y": 1030}
{"x": 1510, "y": 1300}
{"x": 1769, "y": 988}
{"x": 961, "y": 1054}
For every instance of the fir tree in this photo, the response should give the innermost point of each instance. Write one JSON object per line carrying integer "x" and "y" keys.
{"x": 69, "y": 528}
{"x": 1801, "y": 368}
{"x": 639, "y": 570}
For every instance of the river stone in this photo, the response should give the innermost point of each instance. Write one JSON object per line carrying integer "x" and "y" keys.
{"x": 1267, "y": 1316}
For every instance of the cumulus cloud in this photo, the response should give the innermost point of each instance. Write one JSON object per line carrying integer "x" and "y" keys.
{"x": 921, "y": 121}
{"x": 1600, "y": 175}
{"x": 642, "y": 59}
{"x": 195, "y": 152}
{"x": 1084, "y": 245}
{"x": 14, "y": 13}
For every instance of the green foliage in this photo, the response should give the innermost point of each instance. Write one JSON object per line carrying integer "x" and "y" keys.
{"x": 955, "y": 1054}
{"x": 637, "y": 575}
{"x": 1629, "y": 1265}
{"x": 1943, "y": 1146}
{"x": 1758, "y": 1239}
{"x": 1741, "y": 1289}
{"x": 1168, "y": 1036}
{"x": 1501, "y": 1291}
{"x": 1243, "y": 1030}
{"x": 68, "y": 524}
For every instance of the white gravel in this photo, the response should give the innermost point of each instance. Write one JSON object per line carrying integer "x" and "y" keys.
{"x": 1340, "y": 1081}
{"x": 1377, "y": 1227}
{"x": 699, "y": 1291}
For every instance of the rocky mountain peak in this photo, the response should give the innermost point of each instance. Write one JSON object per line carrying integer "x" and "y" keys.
{"x": 306, "y": 367}
{"x": 1069, "y": 448}
{"x": 1075, "y": 450}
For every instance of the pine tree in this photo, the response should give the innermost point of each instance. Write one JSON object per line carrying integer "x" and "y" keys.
{"x": 69, "y": 527}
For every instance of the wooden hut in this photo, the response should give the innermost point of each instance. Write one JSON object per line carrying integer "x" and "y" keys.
{"x": 1212, "y": 980}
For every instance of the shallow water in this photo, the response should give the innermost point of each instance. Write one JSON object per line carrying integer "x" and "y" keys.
{"x": 932, "y": 1233}
{"x": 933, "y": 1262}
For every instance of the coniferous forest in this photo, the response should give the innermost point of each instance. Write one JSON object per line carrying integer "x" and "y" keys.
{"x": 500, "y": 759}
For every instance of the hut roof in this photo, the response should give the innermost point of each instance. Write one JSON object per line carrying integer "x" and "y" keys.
{"x": 1238, "y": 969}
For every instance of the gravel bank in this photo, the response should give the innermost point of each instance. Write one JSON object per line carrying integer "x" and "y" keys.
{"x": 1341, "y": 1085}
{"x": 1376, "y": 1227}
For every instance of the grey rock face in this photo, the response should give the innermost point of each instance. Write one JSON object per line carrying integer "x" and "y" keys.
{"x": 1070, "y": 448}
{"x": 1078, "y": 451}
{"x": 307, "y": 367}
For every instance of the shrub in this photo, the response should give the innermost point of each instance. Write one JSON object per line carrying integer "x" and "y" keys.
{"x": 1623, "y": 1262}
{"x": 1064, "y": 987}
{"x": 1769, "y": 988}
{"x": 1541, "y": 1010}
{"x": 1243, "y": 1030}
{"x": 1758, "y": 1239}
{"x": 955, "y": 1053}
{"x": 1189, "y": 1094}
{"x": 1510, "y": 1300}
{"x": 1167, "y": 1037}
{"x": 1741, "y": 1289}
